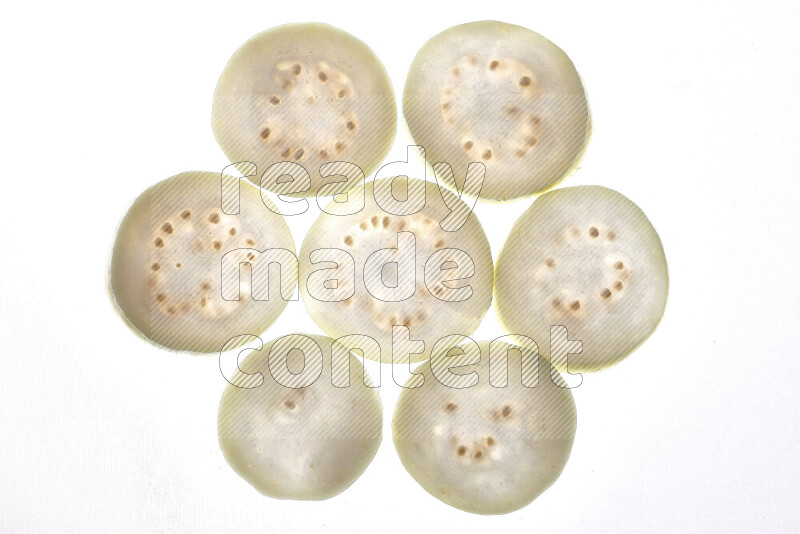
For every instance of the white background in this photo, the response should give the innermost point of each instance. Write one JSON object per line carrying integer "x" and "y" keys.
{"x": 696, "y": 117}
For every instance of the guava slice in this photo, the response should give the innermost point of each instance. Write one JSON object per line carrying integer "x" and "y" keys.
{"x": 586, "y": 258}
{"x": 167, "y": 268}
{"x": 306, "y": 93}
{"x": 352, "y": 284}
{"x": 300, "y": 421}
{"x": 489, "y": 436}
{"x": 501, "y": 95}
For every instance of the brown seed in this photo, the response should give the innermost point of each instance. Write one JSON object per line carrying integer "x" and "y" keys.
{"x": 348, "y": 240}
{"x": 264, "y": 133}
{"x": 487, "y": 154}
{"x": 323, "y": 154}
{"x": 206, "y": 286}
{"x": 217, "y": 245}
{"x": 532, "y": 141}
{"x": 296, "y": 69}
{"x": 606, "y": 293}
{"x": 351, "y": 125}
{"x": 576, "y": 304}
{"x": 155, "y": 266}
{"x": 159, "y": 242}
{"x": 468, "y": 145}
{"x": 213, "y": 218}
{"x": 339, "y": 147}
{"x": 342, "y": 93}
{"x": 618, "y": 286}
{"x": 618, "y": 266}
{"x": 161, "y": 297}
{"x": 439, "y": 244}
{"x": 594, "y": 232}
{"x": 186, "y": 214}
{"x": 494, "y": 64}
{"x": 232, "y": 231}
{"x": 556, "y": 303}
{"x": 550, "y": 262}
{"x": 166, "y": 228}
{"x": 374, "y": 220}
{"x": 450, "y": 407}
{"x": 289, "y": 404}
{"x": 250, "y": 242}
{"x": 506, "y": 410}
{"x": 274, "y": 100}
{"x": 299, "y": 154}
{"x": 446, "y": 106}
{"x": 285, "y": 152}
{"x": 477, "y": 455}
{"x": 385, "y": 222}
{"x": 322, "y": 77}
{"x": 612, "y": 236}
{"x": 461, "y": 451}
{"x": 490, "y": 441}
{"x": 525, "y": 81}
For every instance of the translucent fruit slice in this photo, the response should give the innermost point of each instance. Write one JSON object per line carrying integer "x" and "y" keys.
{"x": 367, "y": 272}
{"x": 306, "y": 93}
{"x": 309, "y": 429}
{"x": 501, "y": 95}
{"x": 586, "y": 258}
{"x": 167, "y": 268}
{"x": 486, "y": 438}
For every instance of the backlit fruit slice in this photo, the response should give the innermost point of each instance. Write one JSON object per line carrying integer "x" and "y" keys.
{"x": 178, "y": 244}
{"x": 372, "y": 270}
{"x": 486, "y": 438}
{"x": 306, "y": 93}
{"x": 501, "y": 95}
{"x": 586, "y": 258}
{"x": 310, "y": 428}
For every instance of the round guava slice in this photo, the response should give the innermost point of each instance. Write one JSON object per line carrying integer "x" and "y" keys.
{"x": 501, "y": 95}
{"x": 588, "y": 259}
{"x": 367, "y": 272}
{"x": 306, "y": 93}
{"x": 489, "y": 429}
{"x": 300, "y": 420}
{"x": 175, "y": 268}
